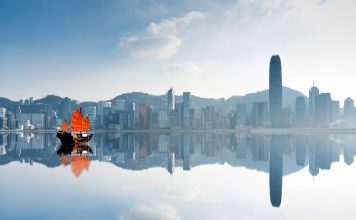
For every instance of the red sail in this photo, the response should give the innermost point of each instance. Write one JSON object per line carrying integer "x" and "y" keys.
{"x": 77, "y": 121}
{"x": 86, "y": 124}
{"x": 64, "y": 125}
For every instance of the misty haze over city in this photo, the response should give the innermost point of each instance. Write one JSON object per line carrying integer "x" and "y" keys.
{"x": 179, "y": 109}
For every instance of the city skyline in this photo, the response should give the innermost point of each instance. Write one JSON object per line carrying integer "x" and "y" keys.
{"x": 206, "y": 49}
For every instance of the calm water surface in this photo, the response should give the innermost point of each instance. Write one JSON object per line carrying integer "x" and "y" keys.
{"x": 205, "y": 176}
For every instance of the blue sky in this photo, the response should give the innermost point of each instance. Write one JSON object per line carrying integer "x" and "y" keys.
{"x": 94, "y": 50}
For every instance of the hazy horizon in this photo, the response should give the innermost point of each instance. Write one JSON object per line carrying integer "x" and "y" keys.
{"x": 92, "y": 50}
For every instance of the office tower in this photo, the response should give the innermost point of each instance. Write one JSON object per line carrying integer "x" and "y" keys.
{"x": 313, "y": 93}
{"x": 193, "y": 121}
{"x": 186, "y": 110}
{"x": 179, "y": 114}
{"x": 208, "y": 117}
{"x": 162, "y": 118}
{"x": 259, "y": 116}
{"x": 170, "y": 100}
{"x": 38, "y": 120}
{"x": 143, "y": 116}
{"x": 3, "y": 123}
{"x": 241, "y": 115}
{"x": 100, "y": 112}
{"x": 349, "y": 108}
{"x": 275, "y": 91}
{"x": 11, "y": 121}
{"x": 66, "y": 109}
{"x": 2, "y": 112}
{"x": 75, "y": 104}
{"x": 335, "y": 110}
{"x": 300, "y": 111}
{"x": 287, "y": 117}
{"x": 119, "y": 104}
{"x": 323, "y": 108}
{"x": 90, "y": 111}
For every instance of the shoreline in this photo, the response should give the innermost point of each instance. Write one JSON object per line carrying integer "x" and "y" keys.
{"x": 253, "y": 131}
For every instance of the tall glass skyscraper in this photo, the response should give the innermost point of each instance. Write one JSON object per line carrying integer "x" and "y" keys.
{"x": 275, "y": 91}
{"x": 186, "y": 110}
{"x": 170, "y": 100}
{"x": 313, "y": 93}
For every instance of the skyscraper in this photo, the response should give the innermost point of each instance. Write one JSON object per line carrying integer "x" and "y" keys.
{"x": 275, "y": 91}
{"x": 66, "y": 109}
{"x": 313, "y": 93}
{"x": 241, "y": 115}
{"x": 349, "y": 108}
{"x": 90, "y": 111}
{"x": 186, "y": 110}
{"x": 300, "y": 111}
{"x": 323, "y": 108}
{"x": 259, "y": 116}
{"x": 170, "y": 100}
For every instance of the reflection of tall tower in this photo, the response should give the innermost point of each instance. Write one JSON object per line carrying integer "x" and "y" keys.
{"x": 186, "y": 152}
{"x": 275, "y": 91}
{"x": 170, "y": 162}
{"x": 276, "y": 171}
{"x": 300, "y": 151}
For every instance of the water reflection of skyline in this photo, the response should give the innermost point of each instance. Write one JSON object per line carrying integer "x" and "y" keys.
{"x": 276, "y": 155}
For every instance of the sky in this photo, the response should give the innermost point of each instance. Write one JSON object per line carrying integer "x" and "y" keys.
{"x": 95, "y": 50}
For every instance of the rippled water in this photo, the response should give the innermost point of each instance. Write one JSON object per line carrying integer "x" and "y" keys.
{"x": 179, "y": 176}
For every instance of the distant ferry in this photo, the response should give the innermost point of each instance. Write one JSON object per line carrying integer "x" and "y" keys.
{"x": 79, "y": 132}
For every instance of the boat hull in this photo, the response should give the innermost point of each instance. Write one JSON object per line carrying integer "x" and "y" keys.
{"x": 74, "y": 138}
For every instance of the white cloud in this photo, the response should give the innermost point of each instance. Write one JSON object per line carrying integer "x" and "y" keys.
{"x": 163, "y": 41}
{"x": 154, "y": 212}
{"x": 183, "y": 69}
{"x": 154, "y": 47}
{"x": 185, "y": 194}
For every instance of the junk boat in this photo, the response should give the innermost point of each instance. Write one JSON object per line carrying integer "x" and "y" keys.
{"x": 79, "y": 132}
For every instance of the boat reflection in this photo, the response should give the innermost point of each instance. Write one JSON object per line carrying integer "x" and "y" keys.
{"x": 76, "y": 155}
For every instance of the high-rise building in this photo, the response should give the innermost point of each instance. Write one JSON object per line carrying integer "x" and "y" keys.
{"x": 186, "y": 110}
{"x": 208, "y": 117}
{"x": 259, "y": 117}
{"x": 300, "y": 111}
{"x": 335, "y": 110}
{"x": 179, "y": 114}
{"x": 287, "y": 117}
{"x": 90, "y": 111}
{"x": 241, "y": 115}
{"x": 323, "y": 108}
{"x": 162, "y": 118}
{"x": 100, "y": 112}
{"x": 2, "y": 112}
{"x": 66, "y": 109}
{"x": 349, "y": 108}
{"x": 143, "y": 117}
{"x": 119, "y": 104}
{"x": 170, "y": 100}
{"x": 313, "y": 93}
{"x": 275, "y": 91}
